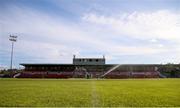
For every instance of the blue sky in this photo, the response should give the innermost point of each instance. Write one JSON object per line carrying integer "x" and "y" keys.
{"x": 125, "y": 31}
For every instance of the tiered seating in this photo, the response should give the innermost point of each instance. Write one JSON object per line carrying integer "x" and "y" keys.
{"x": 59, "y": 75}
{"x": 96, "y": 74}
{"x": 46, "y": 75}
{"x": 117, "y": 74}
{"x": 31, "y": 75}
{"x": 79, "y": 74}
{"x": 138, "y": 75}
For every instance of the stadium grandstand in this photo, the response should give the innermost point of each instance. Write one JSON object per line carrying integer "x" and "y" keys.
{"x": 89, "y": 68}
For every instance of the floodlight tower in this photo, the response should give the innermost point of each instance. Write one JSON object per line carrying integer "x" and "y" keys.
{"x": 12, "y": 39}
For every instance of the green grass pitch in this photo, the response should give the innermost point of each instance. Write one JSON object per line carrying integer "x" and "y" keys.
{"x": 90, "y": 93}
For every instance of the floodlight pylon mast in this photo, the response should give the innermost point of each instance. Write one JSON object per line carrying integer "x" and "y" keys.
{"x": 11, "y": 55}
{"x": 12, "y": 39}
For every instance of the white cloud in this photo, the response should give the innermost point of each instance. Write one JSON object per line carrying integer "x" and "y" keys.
{"x": 161, "y": 24}
{"x": 157, "y": 27}
{"x": 153, "y": 40}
